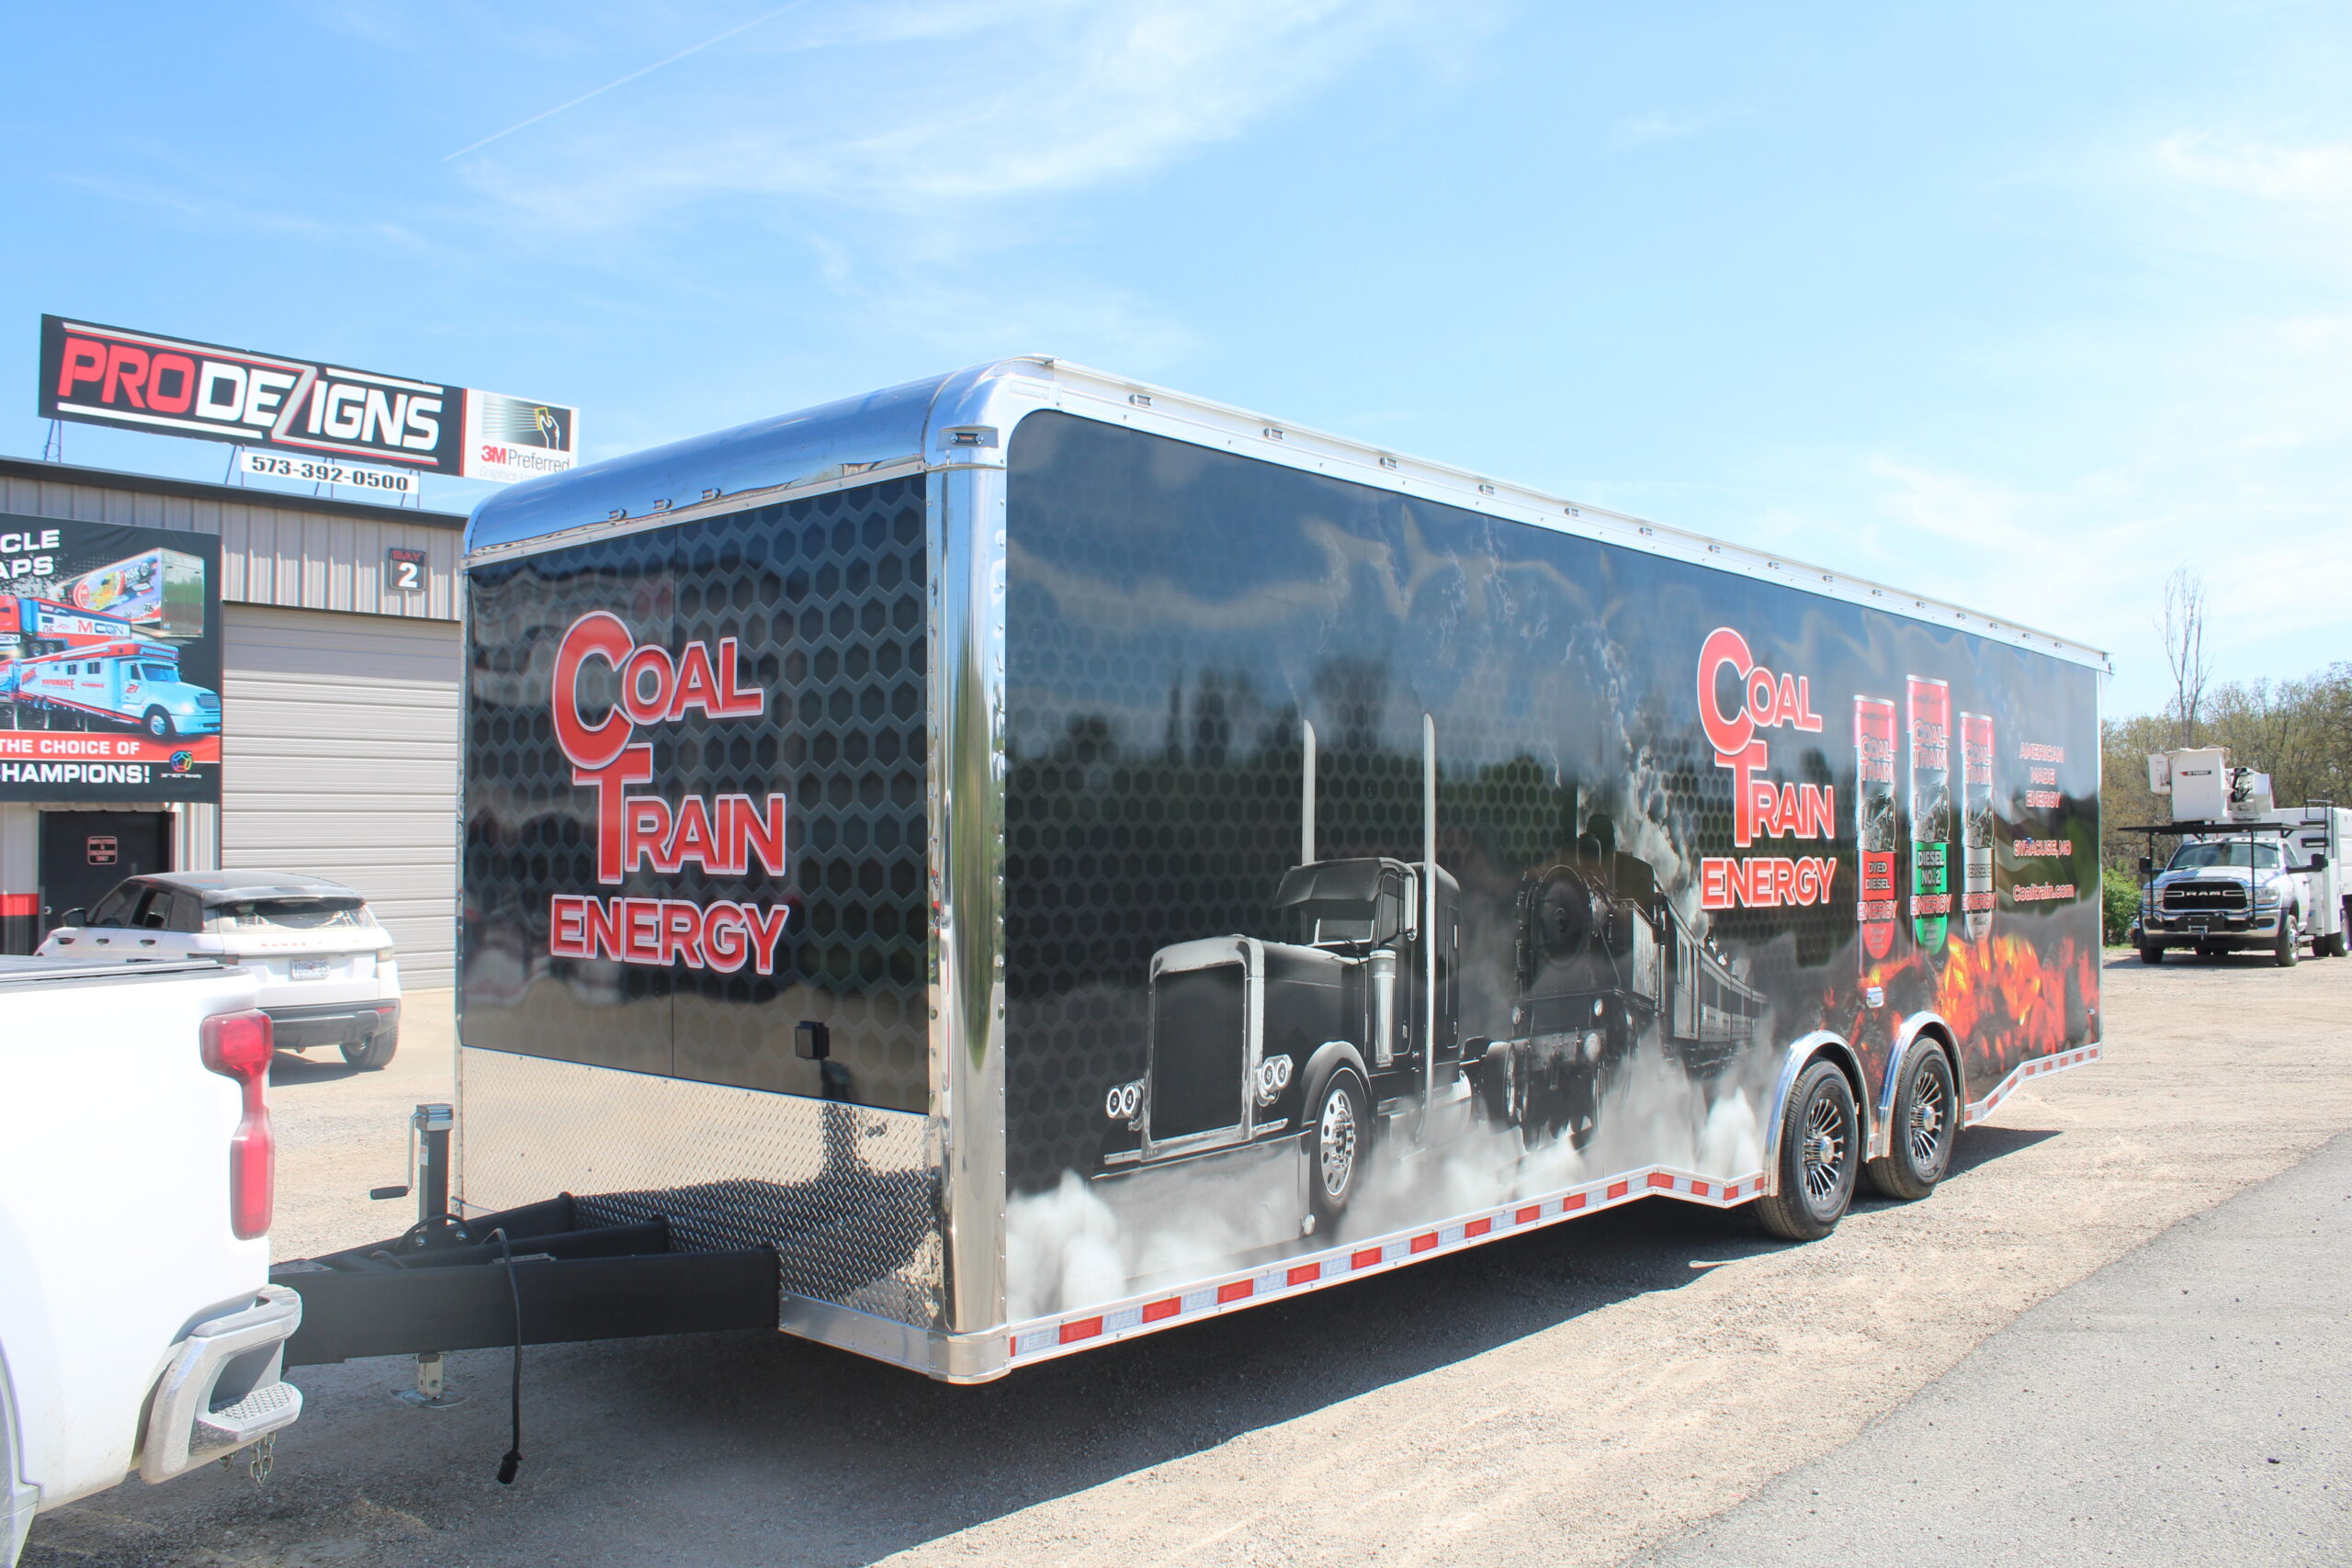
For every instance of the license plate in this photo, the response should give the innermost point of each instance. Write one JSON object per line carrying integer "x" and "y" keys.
{"x": 311, "y": 968}
{"x": 2199, "y": 927}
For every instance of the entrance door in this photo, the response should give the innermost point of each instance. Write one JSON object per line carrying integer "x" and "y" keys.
{"x": 84, "y": 854}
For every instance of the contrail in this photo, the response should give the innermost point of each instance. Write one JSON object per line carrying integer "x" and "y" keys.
{"x": 623, "y": 81}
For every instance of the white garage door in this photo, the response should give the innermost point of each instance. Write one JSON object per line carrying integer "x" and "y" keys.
{"x": 340, "y": 758}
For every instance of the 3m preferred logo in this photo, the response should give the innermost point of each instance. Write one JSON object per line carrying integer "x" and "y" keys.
{"x": 514, "y": 438}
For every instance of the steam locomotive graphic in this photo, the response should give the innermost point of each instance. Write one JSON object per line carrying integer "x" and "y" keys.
{"x": 1347, "y": 1027}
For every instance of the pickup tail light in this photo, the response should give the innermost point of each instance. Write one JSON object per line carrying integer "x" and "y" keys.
{"x": 239, "y": 1045}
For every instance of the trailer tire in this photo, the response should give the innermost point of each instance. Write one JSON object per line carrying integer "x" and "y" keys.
{"x": 1819, "y": 1158}
{"x": 157, "y": 723}
{"x": 1925, "y": 1128}
{"x": 373, "y": 1054}
{"x": 2150, "y": 951}
{"x": 1338, "y": 1127}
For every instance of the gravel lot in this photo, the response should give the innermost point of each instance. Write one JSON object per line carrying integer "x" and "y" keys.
{"x": 1573, "y": 1396}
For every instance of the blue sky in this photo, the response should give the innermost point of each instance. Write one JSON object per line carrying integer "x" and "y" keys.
{"x": 2025, "y": 305}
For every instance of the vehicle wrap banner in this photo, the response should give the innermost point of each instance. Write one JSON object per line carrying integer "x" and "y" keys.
{"x": 168, "y": 386}
{"x": 694, "y": 803}
{"x": 110, "y": 662}
{"x": 1680, "y": 818}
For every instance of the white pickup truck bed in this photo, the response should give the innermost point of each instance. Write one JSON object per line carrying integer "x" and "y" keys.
{"x": 137, "y": 1330}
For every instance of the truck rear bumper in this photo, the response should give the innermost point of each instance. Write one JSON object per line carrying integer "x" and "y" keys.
{"x": 222, "y": 1391}
{"x": 330, "y": 1023}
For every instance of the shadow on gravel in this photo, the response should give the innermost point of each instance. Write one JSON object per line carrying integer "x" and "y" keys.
{"x": 754, "y": 1448}
{"x": 1982, "y": 1144}
{"x": 288, "y": 1070}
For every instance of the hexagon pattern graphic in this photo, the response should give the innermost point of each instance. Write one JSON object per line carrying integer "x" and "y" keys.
{"x": 825, "y": 598}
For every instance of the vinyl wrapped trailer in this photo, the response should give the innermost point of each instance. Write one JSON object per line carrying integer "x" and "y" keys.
{"x": 1025, "y": 858}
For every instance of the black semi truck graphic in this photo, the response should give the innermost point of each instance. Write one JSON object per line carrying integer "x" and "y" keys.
{"x": 1350, "y": 1022}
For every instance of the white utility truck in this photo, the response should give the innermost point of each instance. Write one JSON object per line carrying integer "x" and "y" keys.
{"x": 138, "y": 1330}
{"x": 2248, "y": 875}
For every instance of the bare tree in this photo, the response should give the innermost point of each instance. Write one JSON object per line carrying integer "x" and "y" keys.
{"x": 2183, "y": 626}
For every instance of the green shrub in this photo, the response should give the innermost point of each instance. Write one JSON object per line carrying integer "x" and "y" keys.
{"x": 2121, "y": 904}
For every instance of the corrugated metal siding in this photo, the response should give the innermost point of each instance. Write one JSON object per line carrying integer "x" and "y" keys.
{"x": 340, "y": 759}
{"x": 273, "y": 551}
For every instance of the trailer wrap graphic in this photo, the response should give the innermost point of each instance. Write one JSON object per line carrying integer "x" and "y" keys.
{"x": 110, "y": 662}
{"x": 1370, "y": 861}
{"x": 695, "y": 801}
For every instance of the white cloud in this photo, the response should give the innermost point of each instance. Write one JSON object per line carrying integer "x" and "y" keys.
{"x": 2318, "y": 175}
{"x": 2233, "y": 456}
{"x": 1641, "y": 130}
{"x": 911, "y": 107}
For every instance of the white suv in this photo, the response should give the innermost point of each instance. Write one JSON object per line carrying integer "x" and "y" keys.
{"x": 325, "y": 966}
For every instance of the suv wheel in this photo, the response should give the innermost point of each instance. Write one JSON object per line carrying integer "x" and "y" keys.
{"x": 371, "y": 1054}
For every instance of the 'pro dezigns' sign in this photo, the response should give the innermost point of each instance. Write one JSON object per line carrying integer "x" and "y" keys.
{"x": 167, "y": 386}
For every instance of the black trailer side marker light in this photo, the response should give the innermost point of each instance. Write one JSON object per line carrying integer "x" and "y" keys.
{"x": 1141, "y": 400}
{"x": 811, "y": 1041}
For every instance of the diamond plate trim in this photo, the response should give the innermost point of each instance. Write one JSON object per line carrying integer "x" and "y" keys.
{"x": 843, "y": 1192}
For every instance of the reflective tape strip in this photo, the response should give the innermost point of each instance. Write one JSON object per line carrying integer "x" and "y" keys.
{"x": 1056, "y": 1335}
{"x": 2039, "y": 1066}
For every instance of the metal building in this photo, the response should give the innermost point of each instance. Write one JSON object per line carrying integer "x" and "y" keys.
{"x": 339, "y": 709}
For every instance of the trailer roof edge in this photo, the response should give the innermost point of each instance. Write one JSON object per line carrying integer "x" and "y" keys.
{"x": 965, "y": 417}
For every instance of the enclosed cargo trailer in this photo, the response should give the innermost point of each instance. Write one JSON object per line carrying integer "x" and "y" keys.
{"x": 1052, "y": 858}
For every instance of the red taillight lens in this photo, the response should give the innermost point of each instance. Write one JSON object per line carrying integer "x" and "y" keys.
{"x": 239, "y": 1045}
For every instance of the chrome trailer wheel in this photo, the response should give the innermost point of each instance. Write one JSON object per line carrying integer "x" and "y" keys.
{"x": 1927, "y": 1127}
{"x": 1820, "y": 1157}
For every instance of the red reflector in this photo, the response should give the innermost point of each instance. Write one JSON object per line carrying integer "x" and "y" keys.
{"x": 1364, "y": 1259}
{"x": 1665, "y": 1181}
{"x": 1573, "y": 1200}
{"x": 1423, "y": 1243}
{"x": 1084, "y": 1328}
{"x": 238, "y": 1046}
{"x": 1306, "y": 1274}
{"x": 1158, "y": 1310}
{"x": 1477, "y": 1227}
{"x": 1528, "y": 1215}
{"x": 1699, "y": 1190}
{"x": 1234, "y": 1291}
{"x": 1617, "y": 1189}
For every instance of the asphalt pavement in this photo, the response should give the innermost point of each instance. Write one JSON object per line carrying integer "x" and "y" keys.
{"x": 2185, "y": 1405}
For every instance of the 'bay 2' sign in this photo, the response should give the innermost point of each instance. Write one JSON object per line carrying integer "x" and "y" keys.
{"x": 166, "y": 386}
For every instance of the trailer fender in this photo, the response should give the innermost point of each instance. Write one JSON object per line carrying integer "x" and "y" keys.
{"x": 1802, "y": 1051}
{"x": 1928, "y": 1026}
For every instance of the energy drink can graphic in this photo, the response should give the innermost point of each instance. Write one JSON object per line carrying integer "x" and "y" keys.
{"x": 1976, "y": 825}
{"x": 1930, "y": 704}
{"x": 1876, "y": 835}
